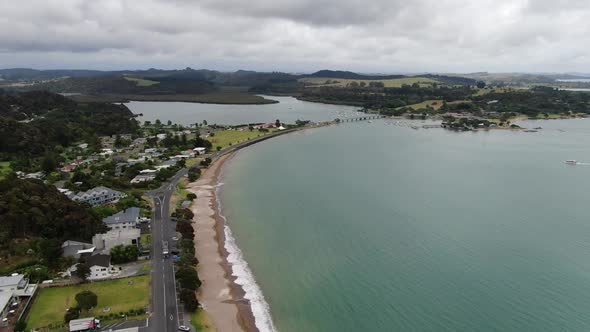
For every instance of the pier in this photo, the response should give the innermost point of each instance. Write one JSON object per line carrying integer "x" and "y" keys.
{"x": 360, "y": 118}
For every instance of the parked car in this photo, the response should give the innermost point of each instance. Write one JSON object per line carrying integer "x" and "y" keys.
{"x": 183, "y": 328}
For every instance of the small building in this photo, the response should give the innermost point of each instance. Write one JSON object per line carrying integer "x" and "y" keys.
{"x": 143, "y": 178}
{"x": 200, "y": 150}
{"x": 98, "y": 196}
{"x": 104, "y": 242}
{"x": 125, "y": 219}
{"x": 100, "y": 267}
{"x": 76, "y": 249}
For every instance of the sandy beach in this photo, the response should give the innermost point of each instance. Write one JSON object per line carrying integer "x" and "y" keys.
{"x": 221, "y": 297}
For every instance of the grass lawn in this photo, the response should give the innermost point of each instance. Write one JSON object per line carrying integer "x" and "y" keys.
{"x": 145, "y": 239}
{"x": 119, "y": 295}
{"x": 435, "y": 104}
{"x": 4, "y": 168}
{"x": 141, "y": 81}
{"x": 392, "y": 83}
{"x": 201, "y": 322}
{"x": 225, "y": 137}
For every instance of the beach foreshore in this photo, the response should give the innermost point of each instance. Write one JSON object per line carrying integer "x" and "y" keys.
{"x": 221, "y": 297}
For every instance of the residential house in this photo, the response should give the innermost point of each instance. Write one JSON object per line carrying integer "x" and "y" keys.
{"x": 200, "y": 150}
{"x": 98, "y": 196}
{"x": 104, "y": 242}
{"x": 143, "y": 178}
{"x": 15, "y": 295}
{"x": 100, "y": 267}
{"x": 122, "y": 230}
{"x": 124, "y": 219}
{"x": 76, "y": 249}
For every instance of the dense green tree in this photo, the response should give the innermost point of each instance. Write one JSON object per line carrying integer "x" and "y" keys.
{"x": 32, "y": 208}
{"x": 188, "y": 278}
{"x": 86, "y": 300}
{"x": 71, "y": 314}
{"x": 50, "y": 250}
{"x": 82, "y": 271}
{"x": 189, "y": 299}
{"x": 124, "y": 254}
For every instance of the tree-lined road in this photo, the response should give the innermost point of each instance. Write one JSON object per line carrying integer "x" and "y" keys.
{"x": 165, "y": 311}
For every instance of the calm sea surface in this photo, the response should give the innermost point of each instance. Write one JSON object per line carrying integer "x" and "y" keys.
{"x": 288, "y": 110}
{"x": 377, "y": 227}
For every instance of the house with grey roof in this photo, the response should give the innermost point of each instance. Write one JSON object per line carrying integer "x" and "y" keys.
{"x": 98, "y": 196}
{"x": 124, "y": 219}
{"x": 76, "y": 249}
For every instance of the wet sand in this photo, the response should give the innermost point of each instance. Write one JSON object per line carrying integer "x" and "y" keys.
{"x": 221, "y": 297}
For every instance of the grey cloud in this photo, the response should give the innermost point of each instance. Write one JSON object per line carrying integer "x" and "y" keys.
{"x": 298, "y": 35}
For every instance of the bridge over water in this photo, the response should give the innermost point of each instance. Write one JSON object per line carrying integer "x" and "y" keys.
{"x": 360, "y": 118}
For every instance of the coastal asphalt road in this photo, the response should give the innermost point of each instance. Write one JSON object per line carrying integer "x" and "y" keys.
{"x": 165, "y": 311}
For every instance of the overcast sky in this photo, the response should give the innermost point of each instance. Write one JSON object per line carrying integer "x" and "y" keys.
{"x": 385, "y": 36}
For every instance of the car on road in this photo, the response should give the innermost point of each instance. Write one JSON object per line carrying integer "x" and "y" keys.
{"x": 174, "y": 238}
{"x": 183, "y": 328}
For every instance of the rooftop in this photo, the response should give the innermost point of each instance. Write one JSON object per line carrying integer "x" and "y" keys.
{"x": 100, "y": 260}
{"x": 12, "y": 280}
{"x": 129, "y": 215}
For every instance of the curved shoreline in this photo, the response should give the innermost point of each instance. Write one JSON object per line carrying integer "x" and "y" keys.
{"x": 221, "y": 297}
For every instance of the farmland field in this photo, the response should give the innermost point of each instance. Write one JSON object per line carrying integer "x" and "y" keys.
{"x": 391, "y": 83}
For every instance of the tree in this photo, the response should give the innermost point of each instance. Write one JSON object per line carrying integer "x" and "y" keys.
{"x": 191, "y": 196}
{"x": 71, "y": 313}
{"x": 188, "y": 278}
{"x": 189, "y": 299}
{"x": 204, "y": 122}
{"x": 277, "y": 123}
{"x": 86, "y": 300}
{"x": 49, "y": 164}
{"x": 50, "y": 250}
{"x": 480, "y": 84}
{"x": 169, "y": 123}
{"x": 83, "y": 271}
{"x": 218, "y": 148}
{"x": 124, "y": 254}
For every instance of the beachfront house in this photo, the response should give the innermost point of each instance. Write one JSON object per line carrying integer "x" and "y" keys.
{"x": 200, "y": 150}
{"x": 100, "y": 267}
{"x": 98, "y": 196}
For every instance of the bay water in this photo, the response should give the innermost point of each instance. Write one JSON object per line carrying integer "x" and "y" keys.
{"x": 380, "y": 227}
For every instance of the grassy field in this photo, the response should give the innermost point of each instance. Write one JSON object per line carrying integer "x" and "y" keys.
{"x": 4, "y": 168}
{"x": 392, "y": 83}
{"x": 435, "y": 104}
{"x": 119, "y": 295}
{"x": 201, "y": 322}
{"x": 141, "y": 81}
{"x": 225, "y": 137}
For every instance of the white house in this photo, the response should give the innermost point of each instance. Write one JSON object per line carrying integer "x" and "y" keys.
{"x": 15, "y": 294}
{"x": 100, "y": 267}
{"x": 98, "y": 196}
{"x": 143, "y": 178}
{"x": 124, "y": 236}
{"x": 200, "y": 150}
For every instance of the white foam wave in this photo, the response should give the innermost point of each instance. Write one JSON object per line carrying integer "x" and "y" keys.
{"x": 245, "y": 278}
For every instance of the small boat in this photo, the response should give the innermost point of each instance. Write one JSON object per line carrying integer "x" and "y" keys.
{"x": 571, "y": 162}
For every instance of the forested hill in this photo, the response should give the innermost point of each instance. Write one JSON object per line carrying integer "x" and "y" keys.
{"x": 353, "y": 76}
{"x": 30, "y": 208}
{"x": 34, "y": 123}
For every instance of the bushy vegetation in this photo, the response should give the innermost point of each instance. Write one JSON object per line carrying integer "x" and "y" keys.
{"x": 30, "y": 208}
{"x": 33, "y": 124}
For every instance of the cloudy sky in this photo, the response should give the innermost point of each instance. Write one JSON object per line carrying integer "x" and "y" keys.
{"x": 384, "y": 36}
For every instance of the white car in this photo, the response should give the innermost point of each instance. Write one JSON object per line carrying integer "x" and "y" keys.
{"x": 174, "y": 238}
{"x": 183, "y": 328}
